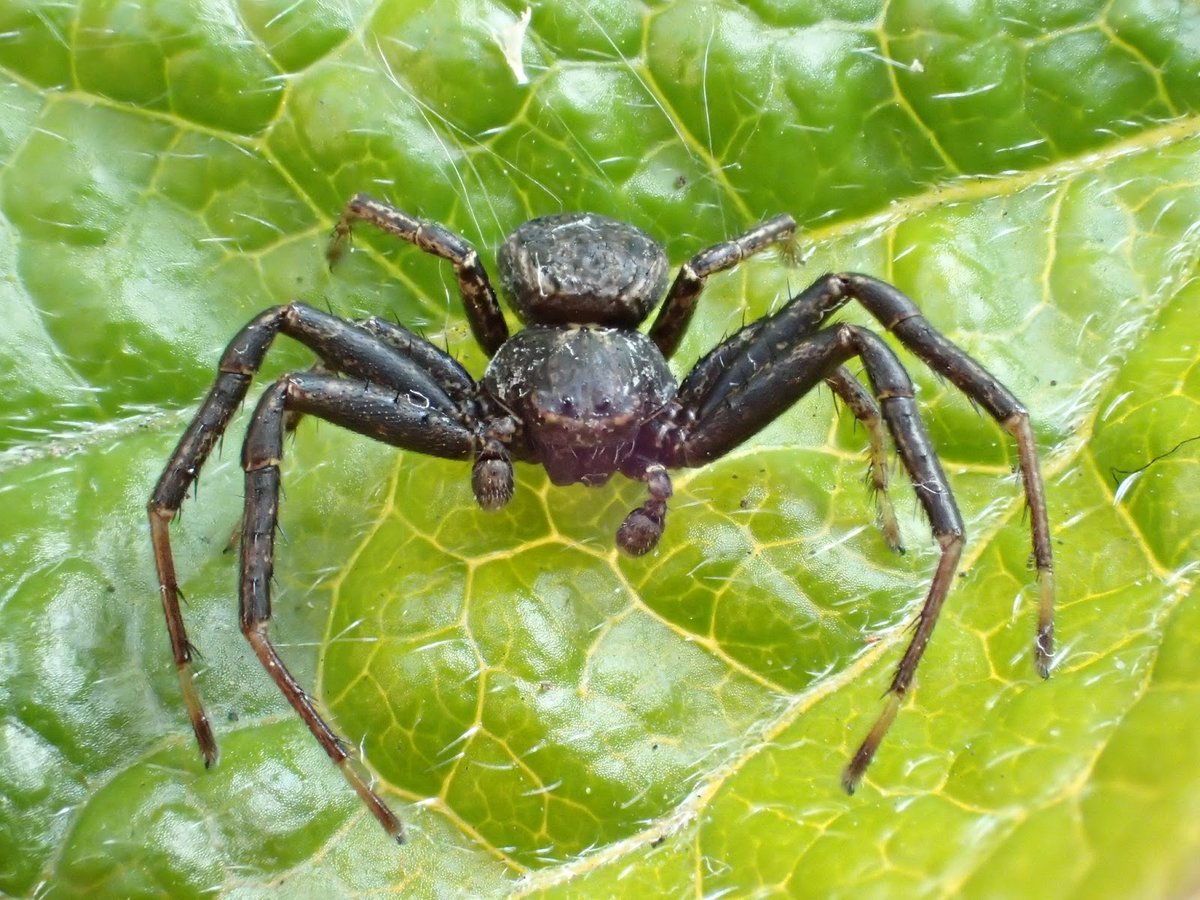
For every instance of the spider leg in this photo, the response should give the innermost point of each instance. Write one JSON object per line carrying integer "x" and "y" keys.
{"x": 712, "y": 367}
{"x": 492, "y": 475}
{"x": 680, "y": 303}
{"x": 435, "y": 362}
{"x": 440, "y": 365}
{"x": 860, "y": 402}
{"x": 483, "y": 310}
{"x": 754, "y": 394}
{"x": 899, "y": 314}
{"x": 374, "y": 411}
{"x": 806, "y": 312}
{"x": 796, "y": 320}
{"x": 341, "y": 347}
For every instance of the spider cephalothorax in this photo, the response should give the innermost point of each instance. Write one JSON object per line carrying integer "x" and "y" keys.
{"x": 585, "y": 394}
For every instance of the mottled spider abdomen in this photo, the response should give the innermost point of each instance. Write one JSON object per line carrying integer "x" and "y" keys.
{"x": 582, "y": 393}
{"x": 581, "y": 269}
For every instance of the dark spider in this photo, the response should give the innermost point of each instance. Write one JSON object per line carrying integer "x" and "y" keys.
{"x": 584, "y": 393}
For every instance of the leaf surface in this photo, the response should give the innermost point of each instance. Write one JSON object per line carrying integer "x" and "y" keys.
{"x": 548, "y": 716}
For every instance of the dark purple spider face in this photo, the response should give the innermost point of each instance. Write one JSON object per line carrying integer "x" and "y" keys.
{"x": 580, "y": 269}
{"x": 582, "y": 395}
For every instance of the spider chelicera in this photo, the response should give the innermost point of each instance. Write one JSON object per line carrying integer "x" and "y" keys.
{"x": 585, "y": 394}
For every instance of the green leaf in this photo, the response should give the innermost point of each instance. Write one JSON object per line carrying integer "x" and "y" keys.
{"x": 546, "y": 715}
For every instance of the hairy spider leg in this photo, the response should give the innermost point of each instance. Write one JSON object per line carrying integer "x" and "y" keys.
{"x": 860, "y": 402}
{"x": 383, "y": 413}
{"x": 771, "y": 376}
{"x": 736, "y": 361}
{"x": 438, "y": 364}
{"x": 342, "y": 347}
{"x": 897, "y": 312}
{"x": 492, "y": 477}
{"x": 479, "y": 299}
{"x": 900, "y": 315}
{"x": 444, "y": 368}
{"x": 680, "y": 303}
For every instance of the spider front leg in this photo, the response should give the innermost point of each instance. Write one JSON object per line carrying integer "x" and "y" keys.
{"x": 765, "y": 380}
{"x": 740, "y": 356}
{"x": 342, "y": 347}
{"x": 483, "y": 310}
{"x": 676, "y": 314}
{"x": 374, "y": 411}
{"x": 900, "y": 315}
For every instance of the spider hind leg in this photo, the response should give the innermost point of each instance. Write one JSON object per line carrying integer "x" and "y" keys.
{"x": 399, "y": 389}
{"x": 479, "y": 298}
{"x": 370, "y": 410}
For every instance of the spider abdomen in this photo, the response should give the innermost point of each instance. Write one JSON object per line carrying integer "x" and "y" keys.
{"x": 582, "y": 268}
{"x": 583, "y": 394}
